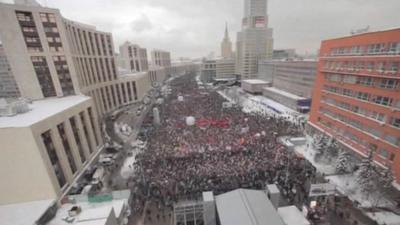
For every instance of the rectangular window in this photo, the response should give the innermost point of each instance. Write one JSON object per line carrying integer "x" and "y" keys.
{"x": 363, "y": 96}
{"x": 384, "y": 153}
{"x": 52, "y": 154}
{"x": 349, "y": 79}
{"x": 371, "y": 66}
{"x": 43, "y": 75}
{"x": 85, "y": 131}
{"x": 67, "y": 147}
{"x": 395, "y": 122}
{"x": 367, "y": 81}
{"x": 77, "y": 139}
{"x": 348, "y": 92}
{"x": 392, "y": 140}
{"x": 382, "y": 100}
{"x": 388, "y": 83}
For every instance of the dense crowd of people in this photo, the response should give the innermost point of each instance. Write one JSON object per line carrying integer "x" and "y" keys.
{"x": 181, "y": 161}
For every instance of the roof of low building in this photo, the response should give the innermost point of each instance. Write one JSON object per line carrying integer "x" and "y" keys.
{"x": 246, "y": 207}
{"x": 25, "y": 213}
{"x": 42, "y": 109}
{"x": 292, "y": 216}
{"x": 256, "y": 81}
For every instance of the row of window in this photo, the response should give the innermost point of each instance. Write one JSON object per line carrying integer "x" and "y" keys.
{"x": 372, "y": 49}
{"x": 348, "y": 135}
{"x": 355, "y": 109}
{"x": 387, "y": 67}
{"x": 92, "y": 70}
{"x": 389, "y": 138}
{"x": 88, "y": 43}
{"x": 381, "y": 117}
{"x": 364, "y": 96}
{"x": 47, "y": 139}
{"x": 363, "y": 80}
{"x": 115, "y": 95}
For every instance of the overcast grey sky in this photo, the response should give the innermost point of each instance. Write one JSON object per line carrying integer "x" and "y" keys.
{"x": 193, "y": 28}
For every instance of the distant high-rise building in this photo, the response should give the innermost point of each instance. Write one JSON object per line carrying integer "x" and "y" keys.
{"x": 132, "y": 57}
{"x": 226, "y": 45}
{"x": 356, "y": 95}
{"x": 254, "y": 42}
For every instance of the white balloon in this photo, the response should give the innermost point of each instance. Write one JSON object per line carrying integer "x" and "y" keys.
{"x": 190, "y": 121}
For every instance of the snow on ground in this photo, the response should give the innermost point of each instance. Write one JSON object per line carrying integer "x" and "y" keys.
{"x": 127, "y": 169}
{"x": 122, "y": 130}
{"x": 259, "y": 104}
{"x": 347, "y": 185}
{"x": 309, "y": 153}
{"x": 385, "y": 218}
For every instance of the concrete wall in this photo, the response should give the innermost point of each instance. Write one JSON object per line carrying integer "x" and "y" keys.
{"x": 24, "y": 174}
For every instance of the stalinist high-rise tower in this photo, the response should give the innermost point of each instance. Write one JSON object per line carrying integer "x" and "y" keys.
{"x": 254, "y": 41}
{"x": 226, "y": 45}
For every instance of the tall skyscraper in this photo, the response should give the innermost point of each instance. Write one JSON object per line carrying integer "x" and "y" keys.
{"x": 254, "y": 42}
{"x": 226, "y": 45}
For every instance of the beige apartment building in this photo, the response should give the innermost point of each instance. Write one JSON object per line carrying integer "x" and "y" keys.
{"x": 44, "y": 150}
{"x": 132, "y": 57}
{"x": 52, "y": 56}
{"x": 160, "y": 58}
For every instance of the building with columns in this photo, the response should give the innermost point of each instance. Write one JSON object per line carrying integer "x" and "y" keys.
{"x": 226, "y": 45}
{"x": 51, "y": 56}
{"x": 254, "y": 41}
{"x": 46, "y": 149}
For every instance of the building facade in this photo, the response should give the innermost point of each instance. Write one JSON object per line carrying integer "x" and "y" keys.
{"x": 53, "y": 56}
{"x": 208, "y": 70}
{"x": 356, "y": 95}
{"x": 284, "y": 54}
{"x": 296, "y": 77}
{"x": 225, "y": 69}
{"x": 8, "y": 86}
{"x": 160, "y": 58}
{"x": 226, "y": 45}
{"x": 254, "y": 41}
{"x": 46, "y": 149}
{"x": 132, "y": 57}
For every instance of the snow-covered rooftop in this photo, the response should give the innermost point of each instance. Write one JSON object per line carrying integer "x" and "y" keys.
{"x": 92, "y": 213}
{"x": 292, "y": 216}
{"x": 385, "y": 218}
{"x": 284, "y": 93}
{"x": 246, "y": 207}
{"x": 42, "y": 109}
{"x": 26, "y": 213}
{"x": 255, "y": 81}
